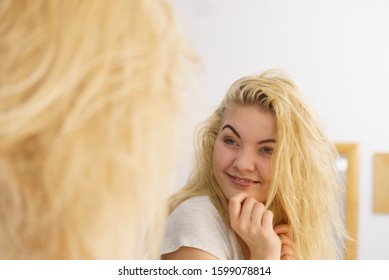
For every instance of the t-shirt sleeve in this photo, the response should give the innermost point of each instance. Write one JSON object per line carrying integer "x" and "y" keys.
{"x": 196, "y": 223}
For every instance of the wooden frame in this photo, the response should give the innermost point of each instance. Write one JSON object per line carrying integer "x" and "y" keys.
{"x": 381, "y": 183}
{"x": 350, "y": 152}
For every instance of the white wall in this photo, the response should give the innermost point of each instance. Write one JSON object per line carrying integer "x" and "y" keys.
{"x": 338, "y": 52}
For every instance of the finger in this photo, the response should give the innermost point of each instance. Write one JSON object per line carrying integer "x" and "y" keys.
{"x": 285, "y": 239}
{"x": 239, "y": 197}
{"x": 256, "y": 217}
{"x": 283, "y": 228}
{"x": 235, "y": 205}
{"x": 287, "y": 251}
{"x": 288, "y": 257}
{"x": 247, "y": 209}
{"x": 267, "y": 219}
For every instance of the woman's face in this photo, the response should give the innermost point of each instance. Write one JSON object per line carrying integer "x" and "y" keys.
{"x": 242, "y": 157}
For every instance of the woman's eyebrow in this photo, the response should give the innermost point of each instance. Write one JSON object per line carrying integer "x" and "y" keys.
{"x": 271, "y": 140}
{"x": 232, "y": 129}
{"x": 267, "y": 141}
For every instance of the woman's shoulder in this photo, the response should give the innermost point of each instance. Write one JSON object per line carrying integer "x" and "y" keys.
{"x": 196, "y": 201}
{"x": 202, "y": 199}
{"x": 197, "y": 210}
{"x": 196, "y": 207}
{"x": 196, "y": 223}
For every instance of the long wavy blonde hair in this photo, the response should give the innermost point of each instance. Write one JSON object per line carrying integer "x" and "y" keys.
{"x": 89, "y": 99}
{"x": 306, "y": 191}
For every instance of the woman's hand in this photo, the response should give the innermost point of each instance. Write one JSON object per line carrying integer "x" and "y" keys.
{"x": 288, "y": 251}
{"x": 254, "y": 225}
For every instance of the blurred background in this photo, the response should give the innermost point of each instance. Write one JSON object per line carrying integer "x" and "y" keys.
{"x": 338, "y": 53}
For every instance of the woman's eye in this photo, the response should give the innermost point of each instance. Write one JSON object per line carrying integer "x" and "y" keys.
{"x": 230, "y": 141}
{"x": 266, "y": 150}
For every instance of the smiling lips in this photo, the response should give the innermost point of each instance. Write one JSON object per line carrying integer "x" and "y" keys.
{"x": 242, "y": 182}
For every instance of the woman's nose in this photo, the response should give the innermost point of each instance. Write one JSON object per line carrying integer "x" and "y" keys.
{"x": 245, "y": 160}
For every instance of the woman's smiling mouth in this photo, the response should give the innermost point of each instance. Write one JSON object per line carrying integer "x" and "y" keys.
{"x": 242, "y": 182}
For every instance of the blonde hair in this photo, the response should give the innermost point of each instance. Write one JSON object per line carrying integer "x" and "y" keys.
{"x": 89, "y": 98}
{"x": 306, "y": 191}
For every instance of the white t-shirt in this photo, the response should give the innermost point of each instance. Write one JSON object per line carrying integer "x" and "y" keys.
{"x": 196, "y": 223}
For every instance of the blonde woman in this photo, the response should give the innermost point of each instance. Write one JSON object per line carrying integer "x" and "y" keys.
{"x": 89, "y": 99}
{"x": 264, "y": 185}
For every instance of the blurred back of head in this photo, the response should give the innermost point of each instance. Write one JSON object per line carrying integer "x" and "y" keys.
{"x": 89, "y": 98}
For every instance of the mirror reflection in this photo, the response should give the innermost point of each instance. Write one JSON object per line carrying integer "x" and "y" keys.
{"x": 347, "y": 166}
